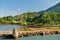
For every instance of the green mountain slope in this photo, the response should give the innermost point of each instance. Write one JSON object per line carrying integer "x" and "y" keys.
{"x": 47, "y": 17}
{"x": 55, "y": 8}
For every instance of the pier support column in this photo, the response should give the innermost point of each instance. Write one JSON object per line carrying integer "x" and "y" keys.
{"x": 15, "y": 33}
{"x": 43, "y": 33}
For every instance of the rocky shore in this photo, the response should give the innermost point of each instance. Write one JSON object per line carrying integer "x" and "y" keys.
{"x": 30, "y": 32}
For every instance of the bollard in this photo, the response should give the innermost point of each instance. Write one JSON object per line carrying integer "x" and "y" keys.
{"x": 15, "y": 33}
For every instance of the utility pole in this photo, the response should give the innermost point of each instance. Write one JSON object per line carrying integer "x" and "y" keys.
{"x": 25, "y": 22}
{"x": 19, "y": 16}
{"x": 18, "y": 12}
{"x": 22, "y": 22}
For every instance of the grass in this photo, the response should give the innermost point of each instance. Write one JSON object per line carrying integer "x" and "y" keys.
{"x": 50, "y": 28}
{"x": 45, "y": 28}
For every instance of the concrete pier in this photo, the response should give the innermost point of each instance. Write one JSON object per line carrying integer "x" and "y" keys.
{"x": 31, "y": 32}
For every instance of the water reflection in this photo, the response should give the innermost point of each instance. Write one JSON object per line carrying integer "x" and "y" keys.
{"x": 7, "y": 39}
{"x": 45, "y": 37}
{"x": 15, "y": 39}
{"x": 3, "y": 38}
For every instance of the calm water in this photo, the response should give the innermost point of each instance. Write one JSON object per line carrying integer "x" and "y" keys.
{"x": 9, "y": 27}
{"x": 45, "y": 37}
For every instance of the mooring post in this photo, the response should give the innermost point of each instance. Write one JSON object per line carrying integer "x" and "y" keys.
{"x": 15, "y": 33}
{"x": 43, "y": 33}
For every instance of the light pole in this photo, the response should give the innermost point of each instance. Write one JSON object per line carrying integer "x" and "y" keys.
{"x": 25, "y": 21}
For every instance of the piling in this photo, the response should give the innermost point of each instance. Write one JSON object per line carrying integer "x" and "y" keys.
{"x": 15, "y": 33}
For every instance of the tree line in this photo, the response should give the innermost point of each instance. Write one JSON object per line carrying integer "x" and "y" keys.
{"x": 34, "y": 18}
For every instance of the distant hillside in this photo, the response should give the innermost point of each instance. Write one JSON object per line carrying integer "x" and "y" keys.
{"x": 47, "y": 17}
{"x": 17, "y": 19}
{"x": 55, "y": 8}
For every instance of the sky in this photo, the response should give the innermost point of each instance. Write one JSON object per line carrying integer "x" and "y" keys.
{"x": 10, "y": 7}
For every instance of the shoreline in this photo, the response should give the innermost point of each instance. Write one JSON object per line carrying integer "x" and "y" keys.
{"x": 31, "y": 32}
{"x": 31, "y": 26}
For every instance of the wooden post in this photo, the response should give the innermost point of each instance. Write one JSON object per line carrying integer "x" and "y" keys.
{"x": 15, "y": 33}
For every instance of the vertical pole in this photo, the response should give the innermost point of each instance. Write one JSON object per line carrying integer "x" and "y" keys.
{"x": 18, "y": 12}
{"x": 25, "y": 22}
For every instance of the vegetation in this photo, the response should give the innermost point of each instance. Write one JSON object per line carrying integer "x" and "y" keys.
{"x": 34, "y": 18}
{"x": 49, "y": 17}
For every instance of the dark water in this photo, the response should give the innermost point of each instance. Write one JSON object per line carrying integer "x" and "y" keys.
{"x": 45, "y": 37}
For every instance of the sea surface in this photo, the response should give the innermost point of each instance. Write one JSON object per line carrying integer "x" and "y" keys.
{"x": 38, "y": 37}
{"x": 8, "y": 27}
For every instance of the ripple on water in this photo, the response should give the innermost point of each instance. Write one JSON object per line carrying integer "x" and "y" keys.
{"x": 45, "y": 37}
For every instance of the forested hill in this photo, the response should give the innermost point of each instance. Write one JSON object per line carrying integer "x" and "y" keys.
{"x": 17, "y": 19}
{"x": 49, "y": 17}
{"x": 55, "y": 8}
